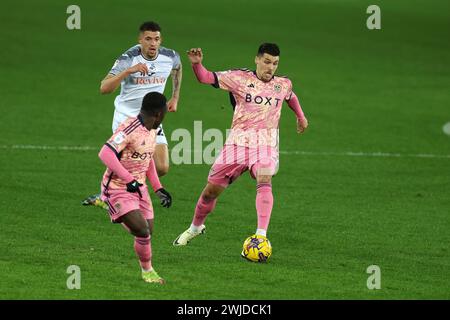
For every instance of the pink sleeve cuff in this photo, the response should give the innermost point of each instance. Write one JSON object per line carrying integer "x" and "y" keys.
{"x": 294, "y": 104}
{"x": 109, "y": 158}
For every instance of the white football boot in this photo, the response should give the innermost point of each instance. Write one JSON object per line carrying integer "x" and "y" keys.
{"x": 184, "y": 238}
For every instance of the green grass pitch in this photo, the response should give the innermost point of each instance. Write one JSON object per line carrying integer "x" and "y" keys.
{"x": 335, "y": 212}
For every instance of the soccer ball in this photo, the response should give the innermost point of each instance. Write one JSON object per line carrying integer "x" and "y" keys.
{"x": 257, "y": 248}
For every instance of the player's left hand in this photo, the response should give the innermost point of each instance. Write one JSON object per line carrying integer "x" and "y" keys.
{"x": 302, "y": 124}
{"x": 165, "y": 197}
{"x": 172, "y": 104}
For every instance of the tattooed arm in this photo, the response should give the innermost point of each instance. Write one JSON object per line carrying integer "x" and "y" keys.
{"x": 176, "y": 85}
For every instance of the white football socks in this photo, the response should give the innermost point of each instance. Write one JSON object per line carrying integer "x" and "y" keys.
{"x": 261, "y": 232}
{"x": 194, "y": 229}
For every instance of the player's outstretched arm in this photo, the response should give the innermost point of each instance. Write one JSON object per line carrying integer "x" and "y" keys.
{"x": 111, "y": 82}
{"x": 163, "y": 195}
{"x": 203, "y": 75}
{"x": 294, "y": 104}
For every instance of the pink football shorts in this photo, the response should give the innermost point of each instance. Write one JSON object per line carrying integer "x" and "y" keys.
{"x": 121, "y": 202}
{"x": 234, "y": 160}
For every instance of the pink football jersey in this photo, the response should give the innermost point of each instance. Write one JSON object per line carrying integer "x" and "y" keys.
{"x": 134, "y": 145}
{"x": 257, "y": 106}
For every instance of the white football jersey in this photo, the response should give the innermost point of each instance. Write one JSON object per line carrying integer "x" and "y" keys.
{"x": 135, "y": 86}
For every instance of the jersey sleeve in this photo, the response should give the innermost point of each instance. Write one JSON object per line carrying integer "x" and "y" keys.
{"x": 121, "y": 64}
{"x": 227, "y": 80}
{"x": 289, "y": 91}
{"x": 176, "y": 61}
{"x": 118, "y": 141}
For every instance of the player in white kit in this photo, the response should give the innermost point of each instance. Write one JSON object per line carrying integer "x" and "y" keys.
{"x": 142, "y": 69}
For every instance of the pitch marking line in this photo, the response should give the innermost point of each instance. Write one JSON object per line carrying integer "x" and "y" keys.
{"x": 367, "y": 154}
{"x": 43, "y": 147}
{"x": 287, "y": 152}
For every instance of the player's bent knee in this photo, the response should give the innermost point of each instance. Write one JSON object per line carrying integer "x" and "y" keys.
{"x": 162, "y": 169}
{"x": 161, "y": 158}
{"x": 209, "y": 195}
{"x": 211, "y": 192}
{"x": 143, "y": 232}
{"x": 136, "y": 224}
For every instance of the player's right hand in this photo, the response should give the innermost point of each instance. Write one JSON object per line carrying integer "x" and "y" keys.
{"x": 140, "y": 67}
{"x": 195, "y": 55}
{"x": 134, "y": 186}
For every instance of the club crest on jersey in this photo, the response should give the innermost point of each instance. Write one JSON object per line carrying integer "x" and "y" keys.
{"x": 119, "y": 138}
{"x": 277, "y": 88}
{"x": 117, "y": 206}
{"x": 152, "y": 67}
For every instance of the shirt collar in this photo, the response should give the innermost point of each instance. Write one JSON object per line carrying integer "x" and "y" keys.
{"x": 254, "y": 72}
{"x": 141, "y": 120}
{"x": 156, "y": 57}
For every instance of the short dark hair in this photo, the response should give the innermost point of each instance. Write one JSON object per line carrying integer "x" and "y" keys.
{"x": 149, "y": 26}
{"x": 270, "y": 48}
{"x": 153, "y": 103}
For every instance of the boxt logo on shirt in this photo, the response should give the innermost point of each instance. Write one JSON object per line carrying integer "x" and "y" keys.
{"x": 141, "y": 156}
{"x": 266, "y": 101}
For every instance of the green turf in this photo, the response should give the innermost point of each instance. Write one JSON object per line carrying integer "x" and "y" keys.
{"x": 334, "y": 214}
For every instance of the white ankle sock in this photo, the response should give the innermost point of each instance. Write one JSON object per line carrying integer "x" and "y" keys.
{"x": 194, "y": 228}
{"x": 261, "y": 232}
